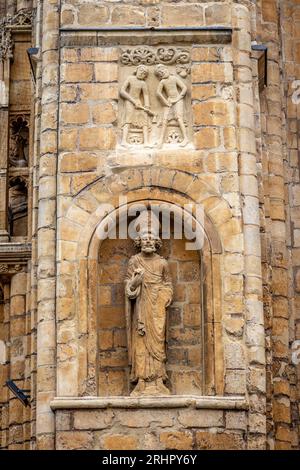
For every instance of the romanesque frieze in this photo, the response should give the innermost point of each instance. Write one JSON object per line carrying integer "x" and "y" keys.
{"x": 155, "y": 97}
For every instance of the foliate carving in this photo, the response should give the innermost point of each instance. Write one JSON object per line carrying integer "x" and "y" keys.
{"x": 155, "y": 97}
{"x": 150, "y": 56}
{"x": 10, "y": 268}
{"x": 6, "y": 44}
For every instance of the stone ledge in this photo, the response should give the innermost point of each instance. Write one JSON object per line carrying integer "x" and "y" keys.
{"x": 15, "y": 252}
{"x": 184, "y": 401}
{"x": 146, "y": 36}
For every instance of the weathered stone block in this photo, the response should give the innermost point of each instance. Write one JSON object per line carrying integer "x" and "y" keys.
{"x": 207, "y": 137}
{"x": 212, "y": 72}
{"x": 97, "y": 138}
{"x": 120, "y": 442}
{"x": 201, "y": 418}
{"x": 219, "y": 441}
{"x": 126, "y": 15}
{"x": 75, "y": 73}
{"x": 178, "y": 440}
{"x": 74, "y": 113}
{"x": 213, "y": 113}
{"x": 74, "y": 440}
{"x": 94, "y": 419}
{"x": 106, "y": 72}
{"x": 180, "y": 15}
{"x": 92, "y": 14}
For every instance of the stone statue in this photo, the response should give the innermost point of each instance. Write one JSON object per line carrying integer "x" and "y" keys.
{"x": 137, "y": 105}
{"x": 171, "y": 92}
{"x": 149, "y": 291}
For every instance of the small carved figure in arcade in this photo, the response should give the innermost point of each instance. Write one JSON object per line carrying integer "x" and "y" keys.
{"x": 149, "y": 292}
{"x": 17, "y": 207}
{"x": 19, "y": 142}
{"x": 171, "y": 92}
{"x": 137, "y": 104}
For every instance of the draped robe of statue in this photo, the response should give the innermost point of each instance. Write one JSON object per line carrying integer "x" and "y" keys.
{"x": 146, "y": 317}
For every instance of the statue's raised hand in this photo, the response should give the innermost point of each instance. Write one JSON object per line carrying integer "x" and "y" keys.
{"x": 137, "y": 278}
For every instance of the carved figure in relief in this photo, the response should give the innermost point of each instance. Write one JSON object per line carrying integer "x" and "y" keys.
{"x": 149, "y": 291}
{"x": 171, "y": 92}
{"x": 137, "y": 104}
{"x": 19, "y": 142}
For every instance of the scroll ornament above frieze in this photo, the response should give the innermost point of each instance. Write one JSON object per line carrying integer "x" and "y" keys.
{"x": 144, "y": 55}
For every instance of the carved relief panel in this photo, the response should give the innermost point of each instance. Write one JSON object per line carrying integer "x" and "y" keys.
{"x": 154, "y": 97}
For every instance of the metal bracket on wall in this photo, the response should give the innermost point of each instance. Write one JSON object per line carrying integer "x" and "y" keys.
{"x": 262, "y": 58}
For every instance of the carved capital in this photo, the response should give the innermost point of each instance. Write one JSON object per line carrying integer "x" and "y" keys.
{"x": 10, "y": 269}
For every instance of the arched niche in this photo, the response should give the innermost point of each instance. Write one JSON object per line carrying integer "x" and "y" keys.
{"x": 194, "y": 349}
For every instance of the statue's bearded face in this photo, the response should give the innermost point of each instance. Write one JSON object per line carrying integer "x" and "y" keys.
{"x": 148, "y": 244}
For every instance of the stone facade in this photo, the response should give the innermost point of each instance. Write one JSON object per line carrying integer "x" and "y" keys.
{"x": 233, "y": 324}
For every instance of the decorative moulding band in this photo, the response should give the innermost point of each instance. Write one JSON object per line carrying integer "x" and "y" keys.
{"x": 146, "y": 36}
{"x": 15, "y": 252}
{"x": 184, "y": 401}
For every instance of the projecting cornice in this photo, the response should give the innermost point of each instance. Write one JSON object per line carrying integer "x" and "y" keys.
{"x": 14, "y": 253}
{"x": 92, "y": 36}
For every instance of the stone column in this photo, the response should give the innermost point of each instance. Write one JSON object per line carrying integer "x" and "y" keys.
{"x": 4, "y": 335}
{"x": 4, "y": 119}
{"x": 46, "y": 336}
{"x": 255, "y": 339}
{"x": 289, "y": 21}
{"x": 3, "y": 174}
{"x": 273, "y": 140}
{"x": 34, "y": 224}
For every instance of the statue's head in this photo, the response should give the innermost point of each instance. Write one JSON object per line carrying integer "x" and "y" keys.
{"x": 148, "y": 240}
{"x": 148, "y": 243}
{"x": 141, "y": 72}
{"x": 161, "y": 71}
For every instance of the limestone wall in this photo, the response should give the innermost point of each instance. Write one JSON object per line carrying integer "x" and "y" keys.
{"x": 234, "y": 316}
{"x": 180, "y": 429}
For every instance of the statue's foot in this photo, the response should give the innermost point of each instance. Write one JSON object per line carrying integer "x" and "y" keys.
{"x": 184, "y": 142}
{"x": 139, "y": 389}
{"x": 163, "y": 390}
{"x": 154, "y": 387}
